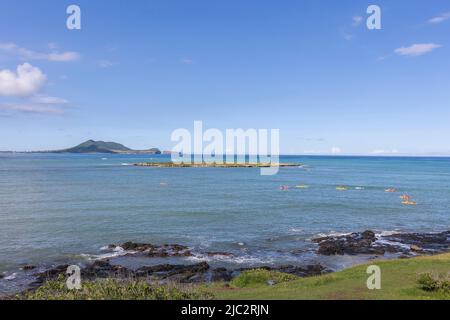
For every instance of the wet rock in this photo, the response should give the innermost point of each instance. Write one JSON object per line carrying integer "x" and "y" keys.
{"x": 133, "y": 246}
{"x": 50, "y": 274}
{"x": 432, "y": 242}
{"x": 368, "y": 243}
{"x": 166, "y": 250}
{"x": 28, "y": 267}
{"x": 178, "y": 273}
{"x": 221, "y": 274}
{"x": 368, "y": 235}
{"x": 298, "y": 252}
{"x": 352, "y": 244}
{"x": 103, "y": 269}
{"x": 303, "y": 271}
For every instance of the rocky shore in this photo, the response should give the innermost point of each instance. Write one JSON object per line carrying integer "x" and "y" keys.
{"x": 367, "y": 243}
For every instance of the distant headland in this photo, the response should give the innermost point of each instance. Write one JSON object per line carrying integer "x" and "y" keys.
{"x": 92, "y": 146}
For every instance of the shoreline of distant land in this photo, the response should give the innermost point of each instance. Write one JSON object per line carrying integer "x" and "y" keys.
{"x": 281, "y": 155}
{"x": 222, "y": 164}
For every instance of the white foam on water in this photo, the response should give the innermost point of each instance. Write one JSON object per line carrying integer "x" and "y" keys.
{"x": 387, "y": 233}
{"x": 393, "y": 244}
{"x": 332, "y": 234}
{"x": 230, "y": 259}
{"x": 113, "y": 253}
{"x": 296, "y": 230}
{"x": 11, "y": 277}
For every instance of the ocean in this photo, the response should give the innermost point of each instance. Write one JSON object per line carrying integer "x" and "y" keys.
{"x": 58, "y": 208}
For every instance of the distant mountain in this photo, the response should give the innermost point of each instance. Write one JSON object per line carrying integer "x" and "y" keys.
{"x": 92, "y": 146}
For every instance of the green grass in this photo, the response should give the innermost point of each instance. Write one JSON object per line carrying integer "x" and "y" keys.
{"x": 419, "y": 278}
{"x": 110, "y": 289}
{"x": 400, "y": 279}
{"x": 260, "y": 277}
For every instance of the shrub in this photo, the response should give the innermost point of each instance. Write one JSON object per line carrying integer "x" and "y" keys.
{"x": 114, "y": 289}
{"x": 429, "y": 282}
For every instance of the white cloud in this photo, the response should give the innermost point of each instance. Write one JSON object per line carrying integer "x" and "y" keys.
{"x": 26, "y": 81}
{"x": 63, "y": 57}
{"x": 440, "y": 18}
{"x": 381, "y": 151}
{"x": 417, "y": 49}
{"x": 105, "y": 64}
{"x": 357, "y": 20}
{"x": 39, "y": 104}
{"x": 31, "y": 108}
{"x": 48, "y": 100}
{"x": 187, "y": 61}
{"x": 346, "y": 35}
{"x": 336, "y": 150}
{"x": 27, "y": 54}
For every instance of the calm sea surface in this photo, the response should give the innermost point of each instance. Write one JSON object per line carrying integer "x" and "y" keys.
{"x": 59, "y": 208}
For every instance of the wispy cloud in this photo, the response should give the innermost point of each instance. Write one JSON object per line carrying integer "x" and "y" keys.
{"x": 48, "y": 100}
{"x": 187, "y": 61}
{"x": 27, "y": 54}
{"x": 349, "y": 35}
{"x": 105, "y": 64}
{"x": 38, "y": 104}
{"x": 357, "y": 20}
{"x": 417, "y": 49}
{"x": 385, "y": 152}
{"x": 53, "y": 45}
{"x": 346, "y": 35}
{"x": 31, "y": 108}
{"x": 439, "y": 19}
{"x": 336, "y": 150}
{"x": 25, "y": 81}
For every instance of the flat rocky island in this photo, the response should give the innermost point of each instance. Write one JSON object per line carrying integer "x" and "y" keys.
{"x": 214, "y": 165}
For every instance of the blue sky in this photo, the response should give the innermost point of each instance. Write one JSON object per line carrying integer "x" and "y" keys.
{"x": 138, "y": 70}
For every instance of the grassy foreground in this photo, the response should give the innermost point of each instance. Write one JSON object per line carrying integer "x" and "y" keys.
{"x": 400, "y": 279}
{"x": 418, "y": 278}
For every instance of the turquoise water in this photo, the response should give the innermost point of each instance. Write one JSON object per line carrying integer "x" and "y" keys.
{"x": 57, "y": 208}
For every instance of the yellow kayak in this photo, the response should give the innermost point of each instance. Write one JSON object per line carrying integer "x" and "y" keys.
{"x": 302, "y": 186}
{"x": 341, "y": 188}
{"x": 409, "y": 203}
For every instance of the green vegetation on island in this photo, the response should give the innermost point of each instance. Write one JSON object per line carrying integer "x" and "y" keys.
{"x": 213, "y": 165}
